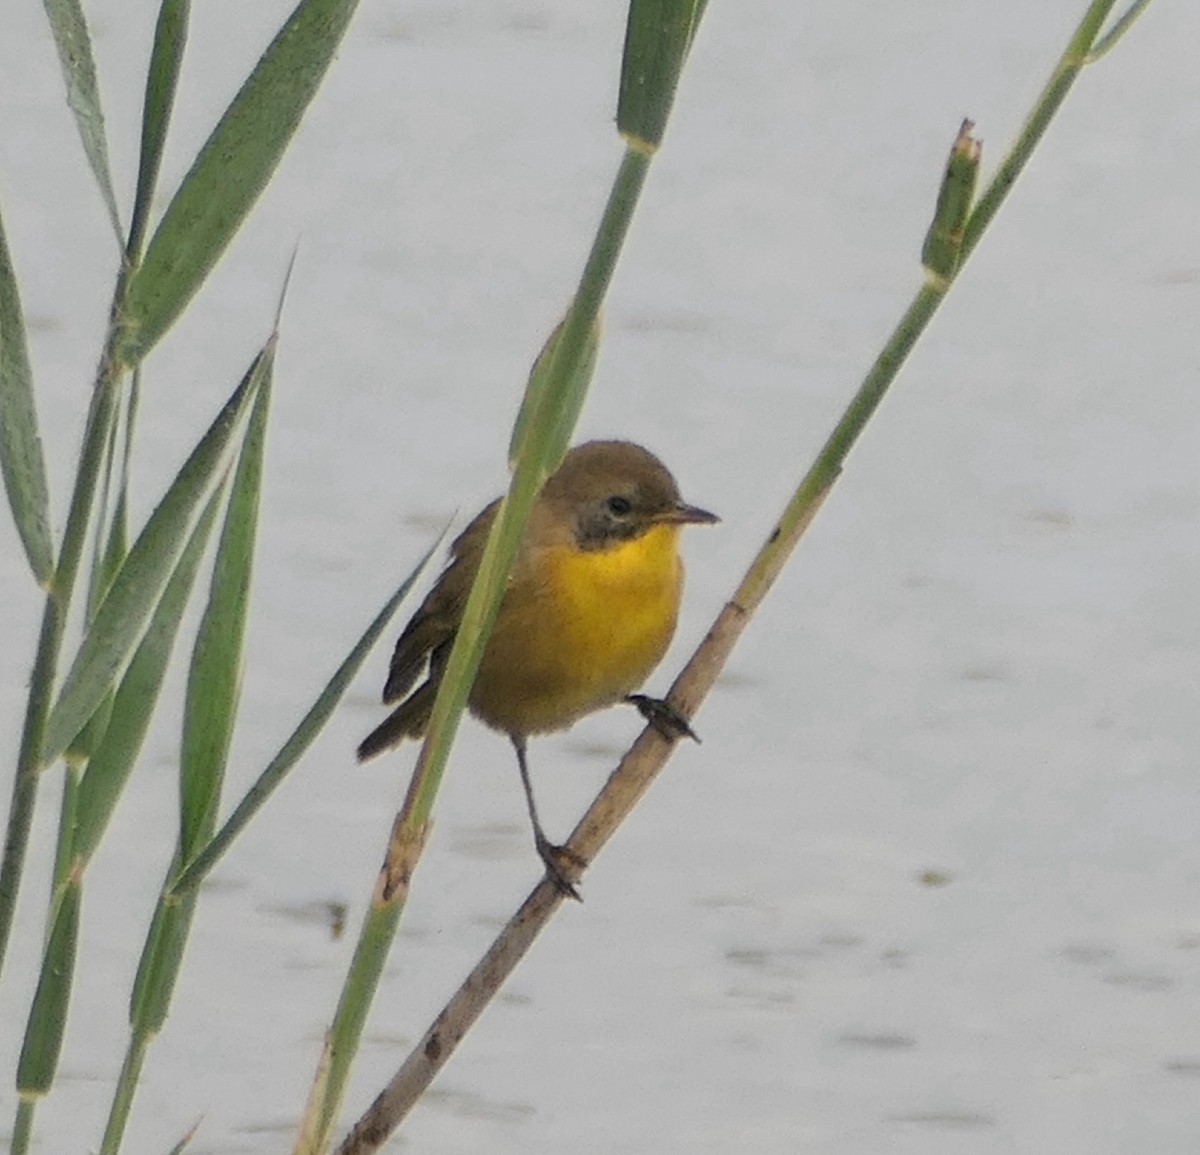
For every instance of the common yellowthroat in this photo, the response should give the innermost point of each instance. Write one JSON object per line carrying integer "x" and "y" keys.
{"x": 589, "y": 611}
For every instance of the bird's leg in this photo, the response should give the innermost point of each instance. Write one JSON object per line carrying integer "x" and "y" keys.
{"x": 668, "y": 721}
{"x": 555, "y": 857}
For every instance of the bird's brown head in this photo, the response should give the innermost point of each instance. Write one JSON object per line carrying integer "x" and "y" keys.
{"x": 614, "y": 491}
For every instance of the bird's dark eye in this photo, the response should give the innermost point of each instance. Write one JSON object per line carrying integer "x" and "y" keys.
{"x": 619, "y": 506}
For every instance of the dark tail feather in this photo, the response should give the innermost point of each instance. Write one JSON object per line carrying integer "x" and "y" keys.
{"x": 408, "y": 720}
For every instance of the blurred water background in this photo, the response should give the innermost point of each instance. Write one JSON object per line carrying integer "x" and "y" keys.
{"x": 932, "y": 882}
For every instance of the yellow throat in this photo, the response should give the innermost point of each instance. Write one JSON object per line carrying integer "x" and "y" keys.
{"x": 585, "y": 633}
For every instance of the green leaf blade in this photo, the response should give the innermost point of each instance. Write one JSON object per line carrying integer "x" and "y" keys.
{"x": 231, "y": 171}
{"x": 135, "y": 698}
{"x": 546, "y": 390}
{"x": 74, "y": 45}
{"x": 553, "y": 399}
{"x": 21, "y": 460}
{"x": 162, "y": 78}
{"x": 214, "y": 681}
{"x": 121, "y": 618}
{"x": 301, "y": 737}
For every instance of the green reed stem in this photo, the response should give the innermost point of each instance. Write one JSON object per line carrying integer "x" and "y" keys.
{"x": 650, "y": 752}
{"x": 542, "y": 447}
{"x": 127, "y": 1082}
{"x": 23, "y": 1125}
{"x": 1074, "y": 58}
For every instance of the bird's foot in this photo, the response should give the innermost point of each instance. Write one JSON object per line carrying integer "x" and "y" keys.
{"x": 668, "y": 721}
{"x": 559, "y": 860}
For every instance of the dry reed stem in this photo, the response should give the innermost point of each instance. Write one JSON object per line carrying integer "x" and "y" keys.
{"x": 627, "y": 783}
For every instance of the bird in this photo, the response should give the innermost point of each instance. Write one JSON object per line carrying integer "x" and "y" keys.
{"x": 588, "y": 613}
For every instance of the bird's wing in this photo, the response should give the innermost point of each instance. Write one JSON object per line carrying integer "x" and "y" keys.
{"x": 427, "y": 638}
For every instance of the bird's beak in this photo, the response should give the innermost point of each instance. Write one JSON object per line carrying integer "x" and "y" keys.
{"x": 689, "y": 515}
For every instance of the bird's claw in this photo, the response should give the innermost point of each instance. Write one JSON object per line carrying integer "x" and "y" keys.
{"x": 667, "y": 720}
{"x": 558, "y": 861}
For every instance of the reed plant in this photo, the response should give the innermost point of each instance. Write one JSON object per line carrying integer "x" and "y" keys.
{"x": 94, "y": 688}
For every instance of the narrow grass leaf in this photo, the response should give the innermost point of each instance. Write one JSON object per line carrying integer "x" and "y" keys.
{"x": 48, "y": 1014}
{"x": 1122, "y": 25}
{"x": 114, "y": 549}
{"x": 121, "y": 618}
{"x": 553, "y": 398}
{"x": 230, "y": 171}
{"x": 111, "y": 549}
{"x": 101, "y": 576}
{"x": 80, "y": 748}
{"x": 535, "y": 393}
{"x": 83, "y": 94}
{"x": 214, "y": 681}
{"x": 116, "y": 544}
{"x": 133, "y": 705}
{"x": 170, "y": 38}
{"x": 21, "y": 458}
{"x": 565, "y": 401}
{"x": 179, "y": 1147}
{"x": 301, "y": 738}
{"x": 658, "y": 35}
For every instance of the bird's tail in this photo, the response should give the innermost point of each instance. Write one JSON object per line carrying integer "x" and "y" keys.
{"x": 408, "y": 720}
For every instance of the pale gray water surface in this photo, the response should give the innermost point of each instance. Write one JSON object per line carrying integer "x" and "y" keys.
{"x": 931, "y": 882}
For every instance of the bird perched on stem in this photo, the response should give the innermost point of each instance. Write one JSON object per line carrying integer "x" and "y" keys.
{"x": 588, "y": 613}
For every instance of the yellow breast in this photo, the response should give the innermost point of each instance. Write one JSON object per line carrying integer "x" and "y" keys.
{"x": 579, "y": 631}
